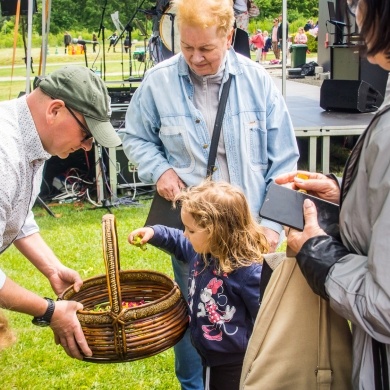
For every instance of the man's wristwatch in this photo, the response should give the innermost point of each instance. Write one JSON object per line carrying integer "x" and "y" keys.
{"x": 46, "y": 318}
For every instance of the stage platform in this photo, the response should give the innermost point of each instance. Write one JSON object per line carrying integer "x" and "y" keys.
{"x": 310, "y": 120}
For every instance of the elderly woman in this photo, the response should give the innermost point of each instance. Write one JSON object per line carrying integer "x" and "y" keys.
{"x": 170, "y": 123}
{"x": 354, "y": 272}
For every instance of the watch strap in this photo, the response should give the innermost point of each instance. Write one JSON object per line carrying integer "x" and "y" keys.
{"x": 46, "y": 318}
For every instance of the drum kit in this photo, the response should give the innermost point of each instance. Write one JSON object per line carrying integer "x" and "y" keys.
{"x": 169, "y": 33}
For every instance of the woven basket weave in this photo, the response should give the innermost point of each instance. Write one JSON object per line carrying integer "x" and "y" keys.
{"x": 127, "y": 334}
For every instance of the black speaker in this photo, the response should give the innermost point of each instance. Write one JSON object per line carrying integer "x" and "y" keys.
{"x": 120, "y": 95}
{"x": 349, "y": 96}
{"x": 8, "y": 7}
{"x": 348, "y": 64}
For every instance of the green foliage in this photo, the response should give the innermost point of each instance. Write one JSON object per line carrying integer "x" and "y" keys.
{"x": 312, "y": 43}
{"x": 272, "y": 8}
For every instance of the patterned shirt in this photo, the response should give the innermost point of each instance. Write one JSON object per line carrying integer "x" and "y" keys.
{"x": 22, "y": 158}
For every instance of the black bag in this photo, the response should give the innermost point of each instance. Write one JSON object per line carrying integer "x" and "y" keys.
{"x": 162, "y": 213}
{"x": 161, "y": 210}
{"x": 309, "y": 68}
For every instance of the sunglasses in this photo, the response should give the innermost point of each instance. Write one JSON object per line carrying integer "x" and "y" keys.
{"x": 88, "y": 134}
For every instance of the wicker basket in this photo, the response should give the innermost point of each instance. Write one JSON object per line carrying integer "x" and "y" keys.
{"x": 127, "y": 334}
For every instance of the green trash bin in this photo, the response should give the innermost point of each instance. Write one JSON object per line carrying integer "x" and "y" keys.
{"x": 298, "y": 55}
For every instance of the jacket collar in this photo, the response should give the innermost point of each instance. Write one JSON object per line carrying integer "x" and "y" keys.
{"x": 232, "y": 65}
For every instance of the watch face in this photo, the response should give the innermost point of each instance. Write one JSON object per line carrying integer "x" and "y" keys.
{"x": 40, "y": 322}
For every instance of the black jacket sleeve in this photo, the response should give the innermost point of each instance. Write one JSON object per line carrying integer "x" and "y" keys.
{"x": 316, "y": 258}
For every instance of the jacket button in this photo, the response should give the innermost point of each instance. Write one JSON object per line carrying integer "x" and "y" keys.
{"x": 197, "y": 120}
{"x": 205, "y": 146}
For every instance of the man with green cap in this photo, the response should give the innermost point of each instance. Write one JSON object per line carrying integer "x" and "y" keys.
{"x": 67, "y": 110}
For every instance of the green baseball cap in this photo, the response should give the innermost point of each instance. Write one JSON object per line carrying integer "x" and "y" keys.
{"x": 82, "y": 90}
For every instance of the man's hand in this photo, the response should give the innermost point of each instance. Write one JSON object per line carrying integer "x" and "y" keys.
{"x": 63, "y": 277}
{"x": 67, "y": 329}
{"x": 169, "y": 184}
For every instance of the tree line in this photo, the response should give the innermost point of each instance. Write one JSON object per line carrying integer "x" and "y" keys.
{"x": 87, "y": 14}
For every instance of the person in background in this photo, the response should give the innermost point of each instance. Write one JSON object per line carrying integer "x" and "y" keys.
{"x": 64, "y": 113}
{"x": 170, "y": 122}
{"x": 94, "y": 39}
{"x": 241, "y": 14}
{"x": 300, "y": 36}
{"x": 308, "y": 26}
{"x": 224, "y": 246}
{"x": 314, "y": 31}
{"x": 267, "y": 46}
{"x": 352, "y": 271}
{"x": 67, "y": 40}
{"x": 112, "y": 40}
{"x": 258, "y": 41}
{"x": 127, "y": 43}
{"x": 275, "y": 40}
{"x": 280, "y": 33}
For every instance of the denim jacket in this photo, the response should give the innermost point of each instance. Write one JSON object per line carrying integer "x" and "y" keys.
{"x": 164, "y": 130}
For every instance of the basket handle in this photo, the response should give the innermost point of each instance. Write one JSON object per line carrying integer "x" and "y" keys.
{"x": 111, "y": 260}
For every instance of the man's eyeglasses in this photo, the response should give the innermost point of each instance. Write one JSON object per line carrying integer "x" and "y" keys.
{"x": 88, "y": 134}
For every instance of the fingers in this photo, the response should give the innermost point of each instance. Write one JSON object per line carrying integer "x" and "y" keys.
{"x": 145, "y": 233}
{"x": 310, "y": 214}
{"x": 295, "y": 238}
{"x": 75, "y": 343}
{"x": 67, "y": 329}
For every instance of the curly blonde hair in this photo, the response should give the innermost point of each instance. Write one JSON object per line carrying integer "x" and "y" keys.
{"x": 221, "y": 209}
{"x": 205, "y": 13}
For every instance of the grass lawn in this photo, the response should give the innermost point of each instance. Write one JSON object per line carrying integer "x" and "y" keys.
{"x": 34, "y": 361}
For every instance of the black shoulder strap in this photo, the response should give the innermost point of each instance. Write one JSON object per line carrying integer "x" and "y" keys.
{"x": 218, "y": 127}
{"x": 266, "y": 273}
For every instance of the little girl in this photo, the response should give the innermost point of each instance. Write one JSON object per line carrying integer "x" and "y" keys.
{"x": 223, "y": 245}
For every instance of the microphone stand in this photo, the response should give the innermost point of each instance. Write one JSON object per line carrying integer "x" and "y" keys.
{"x": 85, "y": 55}
{"x": 129, "y": 28}
{"x": 101, "y": 29}
{"x": 105, "y": 200}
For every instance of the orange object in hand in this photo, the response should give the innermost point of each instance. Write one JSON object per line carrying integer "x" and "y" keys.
{"x": 304, "y": 177}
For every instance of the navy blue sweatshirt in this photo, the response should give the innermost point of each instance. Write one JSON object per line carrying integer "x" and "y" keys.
{"x": 222, "y": 308}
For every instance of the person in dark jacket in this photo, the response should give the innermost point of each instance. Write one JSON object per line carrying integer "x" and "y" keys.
{"x": 353, "y": 271}
{"x": 223, "y": 245}
{"x": 280, "y": 34}
{"x": 112, "y": 40}
{"x": 67, "y": 40}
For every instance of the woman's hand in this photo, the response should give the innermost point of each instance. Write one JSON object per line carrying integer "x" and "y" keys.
{"x": 169, "y": 184}
{"x": 317, "y": 184}
{"x": 295, "y": 238}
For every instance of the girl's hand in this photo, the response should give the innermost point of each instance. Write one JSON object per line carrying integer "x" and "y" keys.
{"x": 146, "y": 233}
